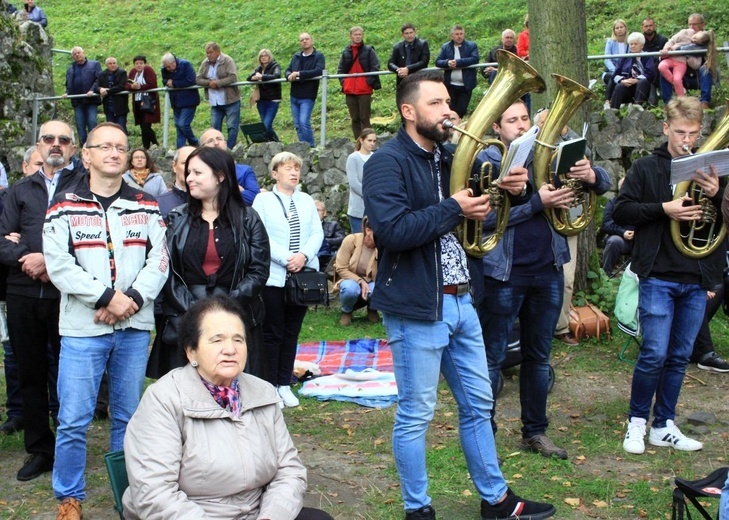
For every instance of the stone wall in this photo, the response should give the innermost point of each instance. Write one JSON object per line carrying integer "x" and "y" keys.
{"x": 25, "y": 70}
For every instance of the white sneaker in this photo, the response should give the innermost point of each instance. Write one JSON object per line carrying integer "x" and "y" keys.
{"x": 634, "y": 438}
{"x": 287, "y": 396}
{"x": 606, "y": 106}
{"x": 672, "y": 436}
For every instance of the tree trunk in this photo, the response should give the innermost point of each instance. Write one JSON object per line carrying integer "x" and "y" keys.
{"x": 558, "y": 44}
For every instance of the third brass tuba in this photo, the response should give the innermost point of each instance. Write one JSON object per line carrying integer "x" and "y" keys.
{"x": 569, "y": 98}
{"x": 515, "y": 78}
{"x": 700, "y": 238}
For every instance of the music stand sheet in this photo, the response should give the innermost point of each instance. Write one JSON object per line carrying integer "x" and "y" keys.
{"x": 682, "y": 168}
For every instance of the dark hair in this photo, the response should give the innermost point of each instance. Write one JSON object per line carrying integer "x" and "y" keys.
{"x": 190, "y": 329}
{"x": 230, "y": 202}
{"x": 408, "y": 91}
{"x": 149, "y": 164}
{"x": 407, "y": 26}
{"x": 139, "y": 57}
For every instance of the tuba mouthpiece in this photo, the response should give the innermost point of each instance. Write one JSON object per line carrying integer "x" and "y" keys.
{"x": 447, "y": 123}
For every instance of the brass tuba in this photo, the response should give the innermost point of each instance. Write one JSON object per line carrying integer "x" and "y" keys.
{"x": 700, "y": 238}
{"x": 514, "y": 79}
{"x": 569, "y": 98}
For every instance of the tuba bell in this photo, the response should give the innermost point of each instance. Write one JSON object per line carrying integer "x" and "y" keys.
{"x": 569, "y": 98}
{"x": 700, "y": 238}
{"x": 515, "y": 78}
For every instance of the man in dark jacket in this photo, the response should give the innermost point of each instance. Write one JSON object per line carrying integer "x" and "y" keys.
{"x": 305, "y": 65}
{"x": 81, "y": 77}
{"x": 33, "y": 302}
{"x": 618, "y": 239}
{"x": 508, "y": 38}
{"x": 178, "y": 73}
{"x": 424, "y": 294}
{"x": 672, "y": 286}
{"x": 112, "y": 81}
{"x": 358, "y": 58}
{"x": 409, "y": 55}
{"x": 454, "y": 56}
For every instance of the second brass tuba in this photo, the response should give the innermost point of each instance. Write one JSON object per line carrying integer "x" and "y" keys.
{"x": 569, "y": 98}
{"x": 700, "y": 238}
{"x": 515, "y": 78}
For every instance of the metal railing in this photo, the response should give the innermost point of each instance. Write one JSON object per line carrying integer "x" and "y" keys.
{"x": 324, "y": 78}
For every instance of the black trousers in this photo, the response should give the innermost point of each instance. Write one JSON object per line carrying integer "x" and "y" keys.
{"x": 148, "y": 136}
{"x": 460, "y": 98}
{"x": 281, "y": 329}
{"x": 33, "y": 327}
{"x": 309, "y": 513}
{"x": 704, "y": 344}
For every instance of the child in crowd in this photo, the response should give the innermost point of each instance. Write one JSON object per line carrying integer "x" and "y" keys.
{"x": 673, "y": 68}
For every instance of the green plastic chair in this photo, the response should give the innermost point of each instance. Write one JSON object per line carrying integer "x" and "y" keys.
{"x": 117, "y": 470}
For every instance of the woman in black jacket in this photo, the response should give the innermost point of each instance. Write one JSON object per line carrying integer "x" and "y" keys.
{"x": 217, "y": 245}
{"x": 269, "y": 94}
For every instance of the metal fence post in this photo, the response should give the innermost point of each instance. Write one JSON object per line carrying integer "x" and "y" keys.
{"x": 324, "y": 90}
{"x": 166, "y": 123}
{"x": 36, "y": 110}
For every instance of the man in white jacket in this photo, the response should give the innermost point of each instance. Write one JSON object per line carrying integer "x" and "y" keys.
{"x": 104, "y": 243}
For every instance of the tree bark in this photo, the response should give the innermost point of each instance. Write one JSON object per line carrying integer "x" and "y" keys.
{"x": 558, "y": 44}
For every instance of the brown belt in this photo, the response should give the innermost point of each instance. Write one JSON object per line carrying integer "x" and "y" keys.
{"x": 456, "y": 290}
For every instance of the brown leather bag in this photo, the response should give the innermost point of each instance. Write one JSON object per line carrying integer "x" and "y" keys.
{"x": 589, "y": 322}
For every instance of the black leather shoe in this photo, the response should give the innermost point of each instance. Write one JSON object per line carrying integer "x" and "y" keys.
{"x": 12, "y": 425}
{"x": 35, "y": 466}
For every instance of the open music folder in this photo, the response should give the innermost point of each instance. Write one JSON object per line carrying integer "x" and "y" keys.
{"x": 682, "y": 168}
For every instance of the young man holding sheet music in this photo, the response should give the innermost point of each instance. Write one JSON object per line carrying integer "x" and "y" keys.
{"x": 524, "y": 279}
{"x": 672, "y": 286}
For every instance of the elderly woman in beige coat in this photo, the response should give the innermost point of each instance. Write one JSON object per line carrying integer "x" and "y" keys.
{"x": 355, "y": 272}
{"x": 209, "y": 441}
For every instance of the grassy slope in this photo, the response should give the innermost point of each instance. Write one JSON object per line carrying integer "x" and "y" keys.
{"x": 124, "y": 28}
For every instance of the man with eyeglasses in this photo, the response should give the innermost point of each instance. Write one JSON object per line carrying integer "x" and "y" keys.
{"x": 33, "y": 301}
{"x": 672, "y": 286}
{"x": 104, "y": 242}
{"x": 245, "y": 175}
{"x": 81, "y": 77}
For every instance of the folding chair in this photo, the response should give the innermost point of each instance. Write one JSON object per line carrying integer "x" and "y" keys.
{"x": 707, "y": 487}
{"x": 626, "y": 311}
{"x": 254, "y": 133}
{"x": 117, "y": 470}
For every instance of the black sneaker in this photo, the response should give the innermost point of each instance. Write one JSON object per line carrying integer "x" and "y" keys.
{"x": 713, "y": 362}
{"x": 12, "y": 425}
{"x": 35, "y": 466}
{"x": 424, "y": 513}
{"x": 514, "y": 507}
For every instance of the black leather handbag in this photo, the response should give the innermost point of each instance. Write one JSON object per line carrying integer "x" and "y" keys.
{"x": 307, "y": 287}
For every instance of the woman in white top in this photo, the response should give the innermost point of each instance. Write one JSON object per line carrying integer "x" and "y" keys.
{"x": 295, "y": 236}
{"x": 364, "y": 147}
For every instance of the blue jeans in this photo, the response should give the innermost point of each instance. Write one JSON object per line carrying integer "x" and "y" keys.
{"x": 537, "y": 302}
{"x": 85, "y": 116}
{"x": 724, "y": 506}
{"x": 350, "y": 295}
{"x": 83, "y": 360}
{"x": 183, "y": 122}
{"x": 231, "y": 113}
{"x": 268, "y": 110}
{"x": 301, "y": 112}
{"x": 670, "y": 316}
{"x": 355, "y": 224}
{"x": 421, "y": 351}
{"x": 703, "y": 83}
{"x": 119, "y": 120}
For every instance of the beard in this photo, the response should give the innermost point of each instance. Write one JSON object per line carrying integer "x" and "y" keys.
{"x": 432, "y": 131}
{"x": 55, "y": 160}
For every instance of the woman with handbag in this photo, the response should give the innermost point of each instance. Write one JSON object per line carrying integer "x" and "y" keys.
{"x": 266, "y": 96}
{"x": 217, "y": 245}
{"x": 145, "y": 105}
{"x": 295, "y": 235}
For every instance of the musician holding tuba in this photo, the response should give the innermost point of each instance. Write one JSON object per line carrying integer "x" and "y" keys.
{"x": 673, "y": 284}
{"x": 524, "y": 278}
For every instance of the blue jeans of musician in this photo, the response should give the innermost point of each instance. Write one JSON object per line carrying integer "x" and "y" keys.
{"x": 183, "y": 125}
{"x": 670, "y": 317}
{"x": 83, "y": 360}
{"x": 724, "y": 506}
{"x": 231, "y": 113}
{"x": 85, "y": 116}
{"x": 537, "y": 302}
{"x": 421, "y": 351}
{"x": 301, "y": 110}
{"x": 268, "y": 110}
{"x": 350, "y": 295}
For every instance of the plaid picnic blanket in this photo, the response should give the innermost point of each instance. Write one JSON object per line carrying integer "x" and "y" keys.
{"x": 335, "y": 357}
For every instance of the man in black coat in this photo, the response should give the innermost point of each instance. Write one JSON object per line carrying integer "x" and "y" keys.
{"x": 409, "y": 55}
{"x": 508, "y": 39}
{"x": 112, "y": 81}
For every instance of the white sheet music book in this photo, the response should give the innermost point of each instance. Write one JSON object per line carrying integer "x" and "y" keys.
{"x": 518, "y": 152}
{"x": 682, "y": 168}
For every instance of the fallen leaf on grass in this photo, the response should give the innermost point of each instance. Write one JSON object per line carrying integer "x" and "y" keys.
{"x": 516, "y": 475}
{"x": 466, "y": 493}
{"x": 574, "y": 502}
{"x": 600, "y": 504}
{"x": 567, "y": 483}
{"x": 581, "y": 457}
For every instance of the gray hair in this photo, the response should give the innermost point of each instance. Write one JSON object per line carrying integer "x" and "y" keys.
{"x": 168, "y": 58}
{"x": 26, "y": 156}
{"x": 636, "y": 37}
{"x": 70, "y": 128}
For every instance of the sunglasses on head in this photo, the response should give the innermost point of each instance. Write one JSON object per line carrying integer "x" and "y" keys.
{"x": 50, "y": 139}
